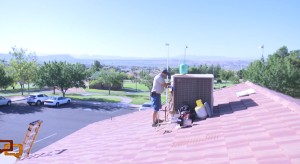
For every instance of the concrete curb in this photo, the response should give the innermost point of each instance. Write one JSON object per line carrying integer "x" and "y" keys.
{"x": 16, "y": 98}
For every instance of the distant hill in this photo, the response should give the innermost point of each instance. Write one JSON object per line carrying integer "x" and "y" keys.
{"x": 59, "y": 57}
{"x": 225, "y": 62}
{"x": 64, "y": 57}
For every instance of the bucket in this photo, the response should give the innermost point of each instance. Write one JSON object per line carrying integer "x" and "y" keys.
{"x": 183, "y": 69}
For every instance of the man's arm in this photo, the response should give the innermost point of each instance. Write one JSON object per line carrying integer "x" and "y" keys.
{"x": 166, "y": 84}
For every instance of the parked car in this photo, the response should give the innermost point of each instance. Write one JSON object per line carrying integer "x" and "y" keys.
{"x": 147, "y": 105}
{"x": 56, "y": 101}
{"x": 36, "y": 99}
{"x": 5, "y": 101}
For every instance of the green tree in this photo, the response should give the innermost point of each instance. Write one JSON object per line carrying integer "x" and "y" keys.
{"x": 281, "y": 52}
{"x": 226, "y": 74}
{"x": 62, "y": 75}
{"x": 5, "y": 80}
{"x": 46, "y": 75}
{"x": 174, "y": 70}
{"x": 193, "y": 70}
{"x": 96, "y": 66}
{"x": 39, "y": 77}
{"x": 146, "y": 78}
{"x": 109, "y": 79}
{"x": 293, "y": 73}
{"x": 217, "y": 70}
{"x": 281, "y": 71}
{"x": 234, "y": 79}
{"x": 24, "y": 66}
{"x": 255, "y": 71}
{"x": 211, "y": 69}
{"x": 240, "y": 73}
{"x": 203, "y": 69}
{"x": 148, "y": 81}
{"x": 10, "y": 72}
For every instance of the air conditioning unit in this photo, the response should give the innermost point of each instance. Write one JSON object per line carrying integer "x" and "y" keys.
{"x": 191, "y": 87}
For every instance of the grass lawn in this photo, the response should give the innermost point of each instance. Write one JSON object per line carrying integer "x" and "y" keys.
{"x": 98, "y": 98}
{"x": 12, "y": 94}
{"x": 222, "y": 85}
{"x": 140, "y": 98}
{"x": 127, "y": 84}
{"x": 105, "y": 92}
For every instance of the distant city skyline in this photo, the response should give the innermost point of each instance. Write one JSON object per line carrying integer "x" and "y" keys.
{"x": 140, "y": 28}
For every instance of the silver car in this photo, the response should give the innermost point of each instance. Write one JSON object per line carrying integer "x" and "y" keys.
{"x": 5, "y": 101}
{"x": 56, "y": 101}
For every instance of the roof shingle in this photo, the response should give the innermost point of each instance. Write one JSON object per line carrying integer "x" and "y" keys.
{"x": 259, "y": 128}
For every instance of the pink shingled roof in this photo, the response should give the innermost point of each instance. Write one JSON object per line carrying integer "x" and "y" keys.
{"x": 259, "y": 128}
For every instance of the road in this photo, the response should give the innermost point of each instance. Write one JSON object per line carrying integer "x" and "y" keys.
{"x": 57, "y": 122}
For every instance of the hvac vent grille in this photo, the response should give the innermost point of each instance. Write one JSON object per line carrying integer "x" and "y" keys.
{"x": 188, "y": 90}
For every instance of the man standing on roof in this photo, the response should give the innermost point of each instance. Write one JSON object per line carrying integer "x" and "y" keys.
{"x": 158, "y": 87}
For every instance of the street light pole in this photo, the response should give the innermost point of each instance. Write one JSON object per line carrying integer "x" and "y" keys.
{"x": 167, "y": 44}
{"x": 213, "y": 70}
{"x": 185, "y": 53}
{"x": 262, "y": 48}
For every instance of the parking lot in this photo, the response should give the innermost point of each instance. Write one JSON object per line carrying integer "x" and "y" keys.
{"x": 58, "y": 122}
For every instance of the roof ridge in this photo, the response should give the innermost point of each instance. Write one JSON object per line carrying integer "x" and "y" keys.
{"x": 285, "y": 100}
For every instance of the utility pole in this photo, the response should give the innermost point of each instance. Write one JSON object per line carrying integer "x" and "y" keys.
{"x": 167, "y": 44}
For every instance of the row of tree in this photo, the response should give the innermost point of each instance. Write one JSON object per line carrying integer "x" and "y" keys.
{"x": 146, "y": 76}
{"x": 23, "y": 69}
{"x": 280, "y": 71}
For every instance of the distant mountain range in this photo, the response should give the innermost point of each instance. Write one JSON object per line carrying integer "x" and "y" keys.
{"x": 134, "y": 61}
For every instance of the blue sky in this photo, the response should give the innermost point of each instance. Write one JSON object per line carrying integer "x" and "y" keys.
{"x": 140, "y": 28}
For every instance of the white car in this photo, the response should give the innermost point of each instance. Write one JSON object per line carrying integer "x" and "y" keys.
{"x": 36, "y": 99}
{"x": 5, "y": 101}
{"x": 56, "y": 101}
{"x": 147, "y": 105}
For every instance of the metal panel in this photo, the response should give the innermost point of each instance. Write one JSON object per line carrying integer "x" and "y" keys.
{"x": 188, "y": 89}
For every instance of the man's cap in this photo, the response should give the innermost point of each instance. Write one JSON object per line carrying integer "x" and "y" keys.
{"x": 165, "y": 71}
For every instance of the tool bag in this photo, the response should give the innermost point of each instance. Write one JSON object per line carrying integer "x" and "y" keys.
{"x": 186, "y": 116}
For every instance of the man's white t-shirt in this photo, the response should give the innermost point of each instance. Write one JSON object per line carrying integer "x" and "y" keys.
{"x": 158, "y": 84}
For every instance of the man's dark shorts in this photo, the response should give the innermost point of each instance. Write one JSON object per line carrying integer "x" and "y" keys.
{"x": 156, "y": 101}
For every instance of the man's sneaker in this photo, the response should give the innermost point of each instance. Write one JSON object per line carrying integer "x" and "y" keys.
{"x": 159, "y": 121}
{"x": 154, "y": 125}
